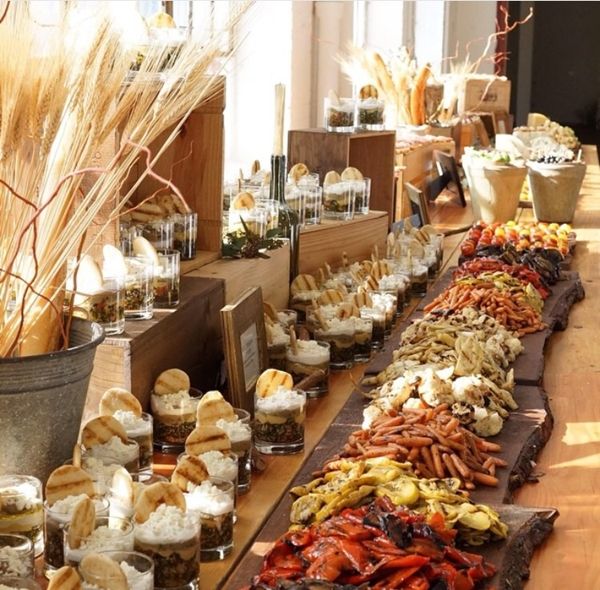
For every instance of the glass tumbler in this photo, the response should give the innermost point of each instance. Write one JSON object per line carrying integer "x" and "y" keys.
{"x": 16, "y": 556}
{"x": 216, "y": 510}
{"x": 362, "y": 195}
{"x": 339, "y": 116}
{"x": 21, "y": 509}
{"x": 105, "y": 307}
{"x": 313, "y": 204}
{"x": 166, "y": 280}
{"x": 56, "y": 518}
{"x": 370, "y": 114}
{"x": 185, "y": 232}
{"x": 138, "y": 568}
{"x": 305, "y": 360}
{"x": 338, "y": 201}
{"x": 279, "y": 423}
{"x": 139, "y": 293}
{"x": 117, "y": 534}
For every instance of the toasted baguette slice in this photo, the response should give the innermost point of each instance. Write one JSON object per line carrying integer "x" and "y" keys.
{"x": 270, "y": 381}
{"x": 102, "y": 571}
{"x": 368, "y": 91}
{"x": 68, "y": 480}
{"x": 362, "y": 299}
{"x": 172, "y": 381}
{"x": 82, "y": 522}
{"x": 330, "y": 297}
{"x": 100, "y": 430}
{"x": 352, "y": 173}
{"x": 269, "y": 309}
{"x": 243, "y": 200}
{"x": 213, "y": 407}
{"x": 332, "y": 177}
{"x": 154, "y": 495}
{"x": 117, "y": 398}
{"x": 206, "y": 438}
{"x": 297, "y": 171}
{"x": 189, "y": 470}
{"x": 304, "y": 282}
{"x": 65, "y": 578}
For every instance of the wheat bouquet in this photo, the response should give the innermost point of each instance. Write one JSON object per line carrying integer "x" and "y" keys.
{"x": 59, "y": 101}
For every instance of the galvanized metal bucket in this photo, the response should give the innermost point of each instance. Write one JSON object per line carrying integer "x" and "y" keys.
{"x": 41, "y": 403}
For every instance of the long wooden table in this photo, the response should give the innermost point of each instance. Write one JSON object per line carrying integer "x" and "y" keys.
{"x": 568, "y": 353}
{"x": 569, "y": 465}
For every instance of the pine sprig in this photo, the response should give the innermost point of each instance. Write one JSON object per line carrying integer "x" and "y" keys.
{"x": 248, "y": 244}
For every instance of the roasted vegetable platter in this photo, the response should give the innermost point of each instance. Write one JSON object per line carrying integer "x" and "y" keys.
{"x": 410, "y": 489}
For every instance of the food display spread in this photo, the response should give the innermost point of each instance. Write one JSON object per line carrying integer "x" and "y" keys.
{"x": 429, "y": 441}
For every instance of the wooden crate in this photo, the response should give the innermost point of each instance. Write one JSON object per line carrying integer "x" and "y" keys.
{"x": 326, "y": 242}
{"x": 194, "y": 163}
{"x": 271, "y": 274}
{"x": 481, "y": 94}
{"x": 417, "y": 167}
{"x": 188, "y": 337}
{"x": 371, "y": 152}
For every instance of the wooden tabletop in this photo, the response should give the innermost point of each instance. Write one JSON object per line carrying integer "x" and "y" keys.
{"x": 569, "y": 465}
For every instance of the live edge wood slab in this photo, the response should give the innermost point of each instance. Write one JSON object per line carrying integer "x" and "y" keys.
{"x": 524, "y": 434}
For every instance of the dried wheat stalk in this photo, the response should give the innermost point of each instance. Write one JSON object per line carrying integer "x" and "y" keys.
{"x": 56, "y": 109}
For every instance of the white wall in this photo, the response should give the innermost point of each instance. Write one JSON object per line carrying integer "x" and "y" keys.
{"x": 262, "y": 60}
{"x": 469, "y": 25}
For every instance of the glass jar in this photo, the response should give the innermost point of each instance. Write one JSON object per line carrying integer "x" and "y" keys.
{"x": 140, "y": 429}
{"x": 174, "y": 419}
{"x": 166, "y": 280}
{"x": 279, "y": 422}
{"x": 240, "y": 435}
{"x": 339, "y": 115}
{"x": 185, "y": 232}
{"x": 363, "y": 338}
{"x": 388, "y": 301}
{"x": 137, "y": 567}
{"x": 370, "y": 114}
{"x": 105, "y": 307}
{"x": 362, "y": 195}
{"x": 338, "y": 201}
{"x": 139, "y": 293}
{"x": 175, "y": 550}
{"x": 313, "y": 204}
{"x": 377, "y": 316}
{"x": 418, "y": 278}
{"x": 56, "y": 518}
{"x": 340, "y": 335}
{"x": 431, "y": 260}
{"x": 307, "y": 358}
{"x": 21, "y": 508}
{"x": 159, "y": 233}
{"x": 213, "y": 502}
{"x": 16, "y": 556}
{"x": 109, "y": 533}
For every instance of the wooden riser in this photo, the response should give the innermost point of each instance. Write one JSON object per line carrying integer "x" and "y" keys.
{"x": 326, "y": 242}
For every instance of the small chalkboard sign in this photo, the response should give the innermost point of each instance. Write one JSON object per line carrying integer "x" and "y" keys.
{"x": 245, "y": 342}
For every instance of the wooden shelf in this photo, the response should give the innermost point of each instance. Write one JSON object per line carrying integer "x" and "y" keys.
{"x": 203, "y": 257}
{"x": 271, "y": 274}
{"x": 188, "y": 337}
{"x": 325, "y": 242}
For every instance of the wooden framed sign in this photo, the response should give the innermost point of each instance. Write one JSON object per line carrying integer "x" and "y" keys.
{"x": 418, "y": 203}
{"x": 448, "y": 173}
{"x": 245, "y": 343}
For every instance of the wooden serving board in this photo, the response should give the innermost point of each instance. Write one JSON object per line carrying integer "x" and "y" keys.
{"x": 522, "y": 437}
